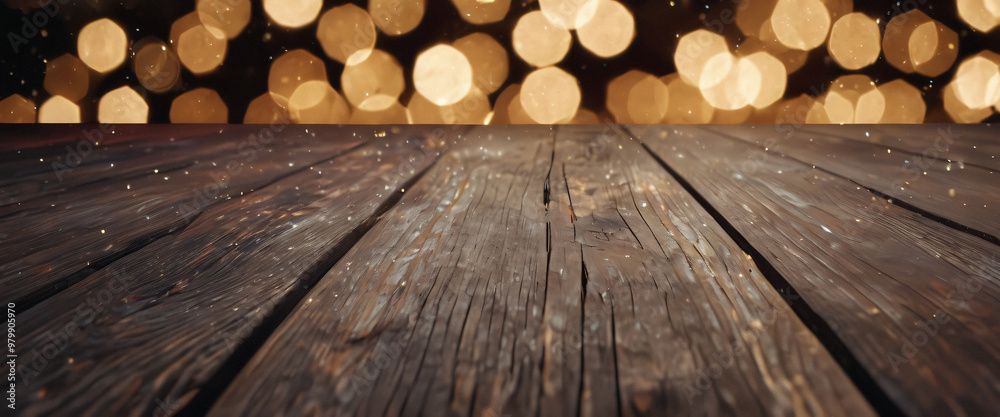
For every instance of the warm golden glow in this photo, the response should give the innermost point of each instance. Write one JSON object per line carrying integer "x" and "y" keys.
{"x": 471, "y": 109}
{"x": 693, "y": 52}
{"x": 550, "y": 95}
{"x": 568, "y": 14}
{"x": 686, "y": 105}
{"x": 730, "y": 83}
{"x": 443, "y": 75}
{"x": 59, "y": 109}
{"x": 316, "y": 102}
{"x": 122, "y": 105}
{"x": 264, "y": 110}
{"x": 855, "y": 41}
{"x": 479, "y": 12}
{"x": 749, "y": 18}
{"x": 394, "y": 114}
{"x": 540, "y": 42}
{"x": 291, "y": 70}
{"x": 67, "y": 76}
{"x": 616, "y": 97}
{"x": 648, "y": 100}
{"x": 914, "y": 42}
{"x": 585, "y": 117}
{"x": 17, "y": 109}
{"x": 609, "y": 32}
{"x": 773, "y": 79}
{"x": 732, "y": 117}
{"x": 102, "y": 45}
{"x": 977, "y": 81}
{"x": 501, "y": 113}
{"x": 981, "y": 15}
{"x": 224, "y": 18}
{"x": 156, "y": 65}
{"x": 375, "y": 83}
{"x": 293, "y": 13}
{"x": 488, "y": 59}
{"x": 347, "y": 33}
{"x": 854, "y": 99}
{"x": 198, "y": 49}
{"x": 793, "y": 59}
{"x": 396, "y": 17}
{"x": 903, "y": 103}
{"x": 800, "y": 24}
{"x": 201, "y": 105}
{"x": 959, "y": 112}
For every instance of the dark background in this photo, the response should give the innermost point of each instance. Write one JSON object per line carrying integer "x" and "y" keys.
{"x": 243, "y": 75}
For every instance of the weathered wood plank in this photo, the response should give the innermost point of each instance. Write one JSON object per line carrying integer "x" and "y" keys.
{"x": 87, "y": 227}
{"x": 973, "y": 144}
{"x": 677, "y": 317}
{"x": 34, "y": 173}
{"x": 964, "y": 194}
{"x": 914, "y": 301}
{"x": 145, "y": 334}
{"x": 435, "y": 311}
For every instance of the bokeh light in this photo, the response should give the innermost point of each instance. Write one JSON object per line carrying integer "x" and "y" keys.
{"x": 550, "y": 95}
{"x": 609, "y": 31}
{"x": 122, "y": 105}
{"x": 481, "y": 12}
{"x": 443, "y": 75}
{"x": 977, "y": 81}
{"x": 102, "y": 45}
{"x": 17, "y": 109}
{"x": 68, "y": 77}
{"x": 290, "y": 71}
{"x": 264, "y": 110}
{"x": 224, "y": 18}
{"x": 197, "y": 48}
{"x": 347, "y": 33}
{"x": 396, "y": 17}
{"x": 855, "y": 41}
{"x": 489, "y": 61}
{"x": 538, "y": 41}
{"x": 59, "y": 109}
{"x": 292, "y": 13}
{"x": 201, "y": 105}
{"x": 156, "y": 65}
{"x": 374, "y": 83}
{"x": 800, "y": 24}
{"x": 317, "y": 102}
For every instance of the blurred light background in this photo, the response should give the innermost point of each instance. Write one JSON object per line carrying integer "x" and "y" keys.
{"x": 500, "y": 61}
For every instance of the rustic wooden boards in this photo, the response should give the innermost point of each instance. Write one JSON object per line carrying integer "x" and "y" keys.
{"x": 684, "y": 316}
{"x": 435, "y": 311}
{"x": 66, "y": 236}
{"x": 915, "y": 301}
{"x": 919, "y": 173}
{"x": 643, "y": 306}
{"x": 143, "y": 335}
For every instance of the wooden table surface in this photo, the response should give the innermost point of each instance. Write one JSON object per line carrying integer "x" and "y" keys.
{"x": 503, "y": 271}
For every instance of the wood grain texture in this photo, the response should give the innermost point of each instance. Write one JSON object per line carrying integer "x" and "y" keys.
{"x": 32, "y": 174}
{"x": 676, "y": 316}
{"x": 436, "y": 311}
{"x": 82, "y": 229}
{"x": 445, "y": 307}
{"x": 915, "y": 301}
{"x": 141, "y": 336}
{"x": 972, "y": 144}
{"x": 964, "y": 194}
